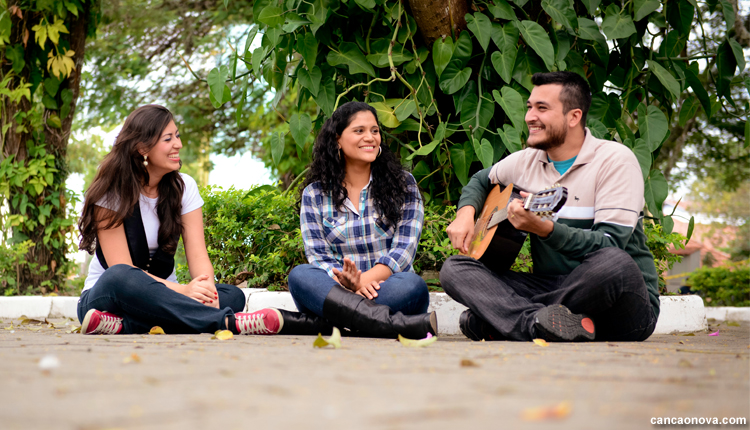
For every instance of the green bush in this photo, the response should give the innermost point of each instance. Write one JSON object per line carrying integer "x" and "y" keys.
{"x": 722, "y": 286}
{"x": 659, "y": 244}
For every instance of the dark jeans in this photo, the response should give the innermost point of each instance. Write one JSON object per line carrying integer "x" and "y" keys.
{"x": 143, "y": 302}
{"x": 403, "y": 292}
{"x": 607, "y": 286}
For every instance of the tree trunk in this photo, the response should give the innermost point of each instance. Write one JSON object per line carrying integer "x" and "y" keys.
{"x": 436, "y": 19}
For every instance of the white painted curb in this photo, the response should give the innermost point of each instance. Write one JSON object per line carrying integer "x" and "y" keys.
{"x": 681, "y": 314}
{"x": 678, "y": 313}
{"x": 725, "y": 313}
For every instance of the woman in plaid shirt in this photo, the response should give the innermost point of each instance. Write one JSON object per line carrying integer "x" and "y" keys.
{"x": 361, "y": 218}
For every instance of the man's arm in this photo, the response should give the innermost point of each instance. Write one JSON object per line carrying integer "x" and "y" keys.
{"x": 472, "y": 199}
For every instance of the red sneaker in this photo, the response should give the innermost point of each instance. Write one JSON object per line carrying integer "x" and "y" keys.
{"x": 264, "y": 321}
{"x": 98, "y": 322}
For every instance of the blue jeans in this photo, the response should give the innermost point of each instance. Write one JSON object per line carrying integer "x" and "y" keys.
{"x": 403, "y": 292}
{"x": 607, "y": 286}
{"x": 142, "y": 302}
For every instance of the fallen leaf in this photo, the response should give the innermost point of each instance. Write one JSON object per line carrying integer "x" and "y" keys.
{"x": 685, "y": 363}
{"x": 712, "y": 372}
{"x": 134, "y": 358}
{"x": 156, "y": 330}
{"x": 334, "y": 340}
{"x": 541, "y": 342}
{"x": 682, "y": 342}
{"x": 11, "y": 326}
{"x": 74, "y": 330}
{"x": 468, "y": 363}
{"x": 222, "y": 335}
{"x": 556, "y": 412}
{"x": 688, "y": 334}
{"x": 716, "y": 333}
{"x": 733, "y": 323}
{"x": 414, "y": 343}
{"x": 30, "y": 321}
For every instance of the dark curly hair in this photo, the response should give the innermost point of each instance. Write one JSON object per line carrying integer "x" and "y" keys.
{"x": 122, "y": 176}
{"x": 389, "y": 180}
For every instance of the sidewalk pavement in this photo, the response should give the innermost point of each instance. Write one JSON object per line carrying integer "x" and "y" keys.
{"x": 280, "y": 382}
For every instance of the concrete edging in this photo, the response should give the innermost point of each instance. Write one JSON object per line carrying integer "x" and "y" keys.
{"x": 678, "y": 313}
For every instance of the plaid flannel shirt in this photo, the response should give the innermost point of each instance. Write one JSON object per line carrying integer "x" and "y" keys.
{"x": 332, "y": 233}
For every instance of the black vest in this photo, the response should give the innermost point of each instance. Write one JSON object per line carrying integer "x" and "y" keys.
{"x": 160, "y": 264}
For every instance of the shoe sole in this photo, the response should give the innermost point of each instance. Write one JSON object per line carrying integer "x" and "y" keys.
{"x": 86, "y": 321}
{"x": 281, "y": 320}
{"x": 561, "y": 325}
{"x": 434, "y": 323}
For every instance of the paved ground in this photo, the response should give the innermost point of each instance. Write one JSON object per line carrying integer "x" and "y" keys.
{"x": 193, "y": 382}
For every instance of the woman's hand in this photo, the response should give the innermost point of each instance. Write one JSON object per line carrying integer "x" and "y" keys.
{"x": 202, "y": 289}
{"x": 368, "y": 290}
{"x": 349, "y": 276}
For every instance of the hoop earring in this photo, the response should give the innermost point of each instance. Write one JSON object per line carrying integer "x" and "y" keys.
{"x": 145, "y": 160}
{"x": 338, "y": 156}
{"x": 380, "y": 151}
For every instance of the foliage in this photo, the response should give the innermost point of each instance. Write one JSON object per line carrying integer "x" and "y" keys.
{"x": 458, "y": 104}
{"x": 39, "y": 81}
{"x": 723, "y": 286}
{"x": 660, "y": 243}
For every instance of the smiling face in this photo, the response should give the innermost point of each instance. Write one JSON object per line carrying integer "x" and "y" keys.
{"x": 548, "y": 125}
{"x": 164, "y": 157}
{"x": 360, "y": 140}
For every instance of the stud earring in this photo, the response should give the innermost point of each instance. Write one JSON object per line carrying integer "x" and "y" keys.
{"x": 145, "y": 160}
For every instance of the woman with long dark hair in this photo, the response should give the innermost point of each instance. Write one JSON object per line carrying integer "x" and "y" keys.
{"x": 135, "y": 211}
{"x": 361, "y": 218}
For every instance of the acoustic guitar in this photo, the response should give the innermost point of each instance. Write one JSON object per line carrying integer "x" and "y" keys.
{"x": 496, "y": 243}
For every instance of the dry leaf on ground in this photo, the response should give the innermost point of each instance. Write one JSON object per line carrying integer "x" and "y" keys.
{"x": 156, "y": 330}
{"x": 541, "y": 342}
{"x": 222, "y": 335}
{"x": 413, "y": 343}
{"x": 468, "y": 363}
{"x": 334, "y": 340}
{"x": 556, "y": 412}
{"x": 134, "y": 358}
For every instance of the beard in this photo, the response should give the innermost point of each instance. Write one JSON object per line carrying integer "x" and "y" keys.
{"x": 555, "y": 138}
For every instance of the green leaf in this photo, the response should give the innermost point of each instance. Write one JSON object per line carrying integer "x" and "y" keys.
{"x": 308, "y": 47}
{"x": 461, "y": 158}
{"x": 485, "y": 152}
{"x": 216, "y": 82}
{"x": 656, "y": 191}
{"x": 405, "y": 109}
{"x": 51, "y": 85}
{"x": 624, "y": 131}
{"x": 562, "y": 12}
{"x": 250, "y": 37}
{"x": 453, "y": 78}
{"x": 258, "y": 55}
{"x": 513, "y": 106}
{"x": 691, "y": 227}
{"x": 300, "y": 125}
{"x": 49, "y": 102}
{"x": 66, "y": 96}
{"x": 725, "y": 64}
{"x": 652, "y": 124}
{"x": 277, "y": 147}
{"x": 729, "y": 14}
{"x": 504, "y": 63}
{"x": 349, "y": 55}
{"x": 511, "y": 138}
{"x": 667, "y": 224}
{"x": 617, "y": 25}
{"x": 643, "y": 8}
{"x": 469, "y": 109}
{"x": 680, "y": 16}
{"x": 379, "y": 56}
{"x": 643, "y": 154}
{"x": 425, "y": 150}
{"x": 271, "y": 16}
{"x": 5, "y": 27}
{"x": 241, "y": 104}
{"x": 591, "y": 5}
{"x": 538, "y": 39}
{"x": 16, "y": 54}
{"x": 386, "y": 116}
{"x": 598, "y": 129}
{"x": 441, "y": 54}
{"x": 606, "y": 108}
{"x": 588, "y": 30}
{"x": 413, "y": 343}
{"x": 462, "y": 49}
{"x": 666, "y": 78}
{"x": 310, "y": 79}
{"x": 502, "y": 10}
{"x": 292, "y": 22}
{"x": 689, "y": 109}
{"x": 54, "y": 122}
{"x": 699, "y": 90}
{"x": 225, "y": 97}
{"x": 481, "y": 26}
{"x": 326, "y": 96}
{"x": 738, "y": 55}
{"x": 747, "y": 134}
{"x": 505, "y": 37}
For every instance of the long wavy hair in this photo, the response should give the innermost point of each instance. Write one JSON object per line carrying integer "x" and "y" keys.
{"x": 389, "y": 183}
{"x": 122, "y": 176}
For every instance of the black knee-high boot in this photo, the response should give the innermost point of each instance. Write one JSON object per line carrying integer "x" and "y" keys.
{"x": 300, "y": 323}
{"x": 346, "y": 309}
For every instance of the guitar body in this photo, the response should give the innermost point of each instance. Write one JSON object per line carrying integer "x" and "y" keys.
{"x": 496, "y": 243}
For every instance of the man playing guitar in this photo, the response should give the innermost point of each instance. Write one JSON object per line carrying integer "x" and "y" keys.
{"x": 594, "y": 277}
